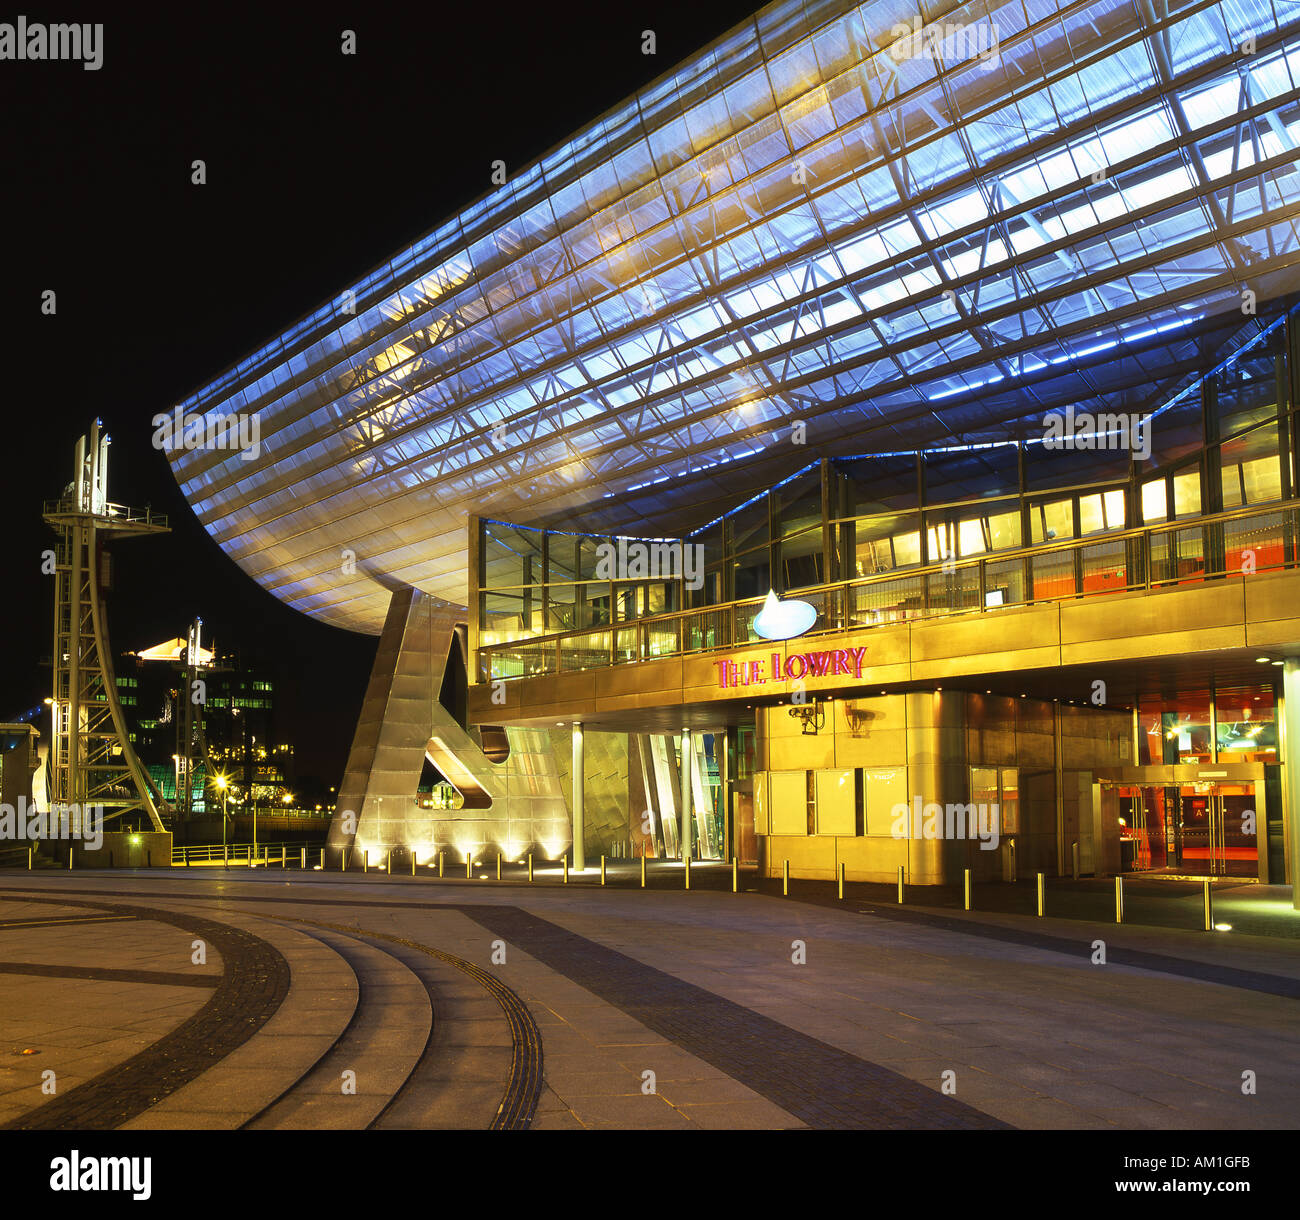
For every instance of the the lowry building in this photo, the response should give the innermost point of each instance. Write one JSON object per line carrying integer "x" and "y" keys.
{"x": 870, "y": 445}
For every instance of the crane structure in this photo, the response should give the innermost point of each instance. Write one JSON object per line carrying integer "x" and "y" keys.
{"x": 93, "y": 764}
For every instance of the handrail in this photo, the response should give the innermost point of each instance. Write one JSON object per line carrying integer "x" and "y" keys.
{"x": 1150, "y": 549}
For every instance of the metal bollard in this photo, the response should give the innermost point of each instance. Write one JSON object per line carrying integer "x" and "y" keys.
{"x": 1208, "y": 899}
{"x": 1119, "y": 899}
{"x": 1042, "y": 895}
{"x": 388, "y": 862}
{"x": 530, "y": 867}
{"x": 29, "y": 859}
{"x": 687, "y": 872}
{"x": 498, "y": 866}
{"x": 966, "y": 889}
{"x": 365, "y": 860}
{"x": 840, "y": 888}
{"x": 412, "y": 861}
{"x": 785, "y": 879}
{"x": 440, "y": 864}
{"x": 643, "y": 870}
{"x": 469, "y": 866}
{"x": 1074, "y": 852}
{"x": 70, "y": 855}
{"x": 565, "y": 858}
{"x": 735, "y": 876}
{"x": 302, "y": 858}
{"x": 225, "y": 855}
{"x": 602, "y": 870}
{"x": 900, "y": 884}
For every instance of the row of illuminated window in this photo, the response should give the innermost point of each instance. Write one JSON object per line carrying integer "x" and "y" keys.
{"x": 877, "y": 801}
{"x": 735, "y": 561}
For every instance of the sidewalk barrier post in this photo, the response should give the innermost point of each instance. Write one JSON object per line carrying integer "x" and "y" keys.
{"x": 735, "y": 875}
{"x": 602, "y": 870}
{"x": 440, "y": 864}
{"x": 1074, "y": 853}
{"x": 785, "y": 879}
{"x": 388, "y": 862}
{"x": 29, "y": 859}
{"x": 365, "y": 860}
{"x": 643, "y": 870}
{"x": 498, "y": 866}
{"x": 469, "y": 866}
{"x": 530, "y": 867}
{"x": 302, "y": 858}
{"x": 1119, "y": 899}
{"x": 900, "y": 884}
{"x": 1208, "y": 899}
{"x": 412, "y": 861}
{"x": 966, "y": 888}
{"x": 565, "y": 858}
{"x": 687, "y": 873}
{"x": 840, "y": 887}
{"x": 225, "y": 855}
{"x": 1042, "y": 895}
{"x": 283, "y": 850}
{"x": 1014, "y": 870}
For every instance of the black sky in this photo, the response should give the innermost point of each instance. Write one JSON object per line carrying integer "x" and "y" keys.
{"x": 319, "y": 166}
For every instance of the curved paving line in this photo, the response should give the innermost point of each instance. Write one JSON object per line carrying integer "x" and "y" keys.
{"x": 524, "y": 1083}
{"x": 253, "y": 984}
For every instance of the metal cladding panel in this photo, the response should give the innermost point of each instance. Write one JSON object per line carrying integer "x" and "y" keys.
{"x": 900, "y": 237}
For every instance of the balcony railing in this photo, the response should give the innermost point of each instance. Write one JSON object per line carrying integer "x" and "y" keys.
{"x": 1240, "y": 542}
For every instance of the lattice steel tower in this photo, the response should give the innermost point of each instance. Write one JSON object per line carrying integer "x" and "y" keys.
{"x": 92, "y": 761}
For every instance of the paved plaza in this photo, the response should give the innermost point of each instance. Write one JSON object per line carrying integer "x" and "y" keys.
{"x": 221, "y": 999}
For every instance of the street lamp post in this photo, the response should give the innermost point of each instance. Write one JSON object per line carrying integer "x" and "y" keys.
{"x": 224, "y": 785}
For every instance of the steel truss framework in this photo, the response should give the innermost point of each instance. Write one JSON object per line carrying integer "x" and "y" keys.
{"x": 797, "y": 225}
{"x": 92, "y": 761}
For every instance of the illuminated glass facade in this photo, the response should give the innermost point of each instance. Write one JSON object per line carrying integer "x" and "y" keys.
{"x": 882, "y": 539}
{"x": 808, "y": 223}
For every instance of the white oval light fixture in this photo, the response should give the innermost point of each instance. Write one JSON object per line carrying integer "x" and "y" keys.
{"x": 779, "y": 620}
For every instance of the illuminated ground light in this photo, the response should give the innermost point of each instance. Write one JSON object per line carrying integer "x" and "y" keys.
{"x": 1223, "y": 927}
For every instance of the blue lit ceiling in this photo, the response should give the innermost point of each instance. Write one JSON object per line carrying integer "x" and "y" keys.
{"x": 1057, "y": 203}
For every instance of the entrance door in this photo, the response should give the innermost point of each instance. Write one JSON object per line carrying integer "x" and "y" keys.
{"x": 1201, "y": 828}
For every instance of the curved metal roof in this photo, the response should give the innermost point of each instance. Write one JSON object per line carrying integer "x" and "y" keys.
{"x": 900, "y": 234}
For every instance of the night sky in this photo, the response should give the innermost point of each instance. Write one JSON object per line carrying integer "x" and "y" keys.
{"x": 319, "y": 166}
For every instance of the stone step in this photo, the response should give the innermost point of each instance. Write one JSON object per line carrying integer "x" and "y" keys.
{"x": 381, "y": 1046}
{"x": 322, "y": 998}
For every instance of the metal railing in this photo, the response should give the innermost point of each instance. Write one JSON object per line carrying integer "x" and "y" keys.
{"x": 1239, "y": 542}
{"x": 124, "y": 513}
{"x": 266, "y": 855}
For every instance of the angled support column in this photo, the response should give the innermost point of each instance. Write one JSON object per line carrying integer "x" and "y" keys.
{"x": 512, "y": 806}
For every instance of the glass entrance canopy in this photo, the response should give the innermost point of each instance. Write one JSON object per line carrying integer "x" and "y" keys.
{"x": 837, "y": 230}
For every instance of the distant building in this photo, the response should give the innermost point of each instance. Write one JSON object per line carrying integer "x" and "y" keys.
{"x": 243, "y": 740}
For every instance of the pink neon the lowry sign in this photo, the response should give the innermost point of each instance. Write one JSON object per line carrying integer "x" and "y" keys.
{"x": 825, "y": 664}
